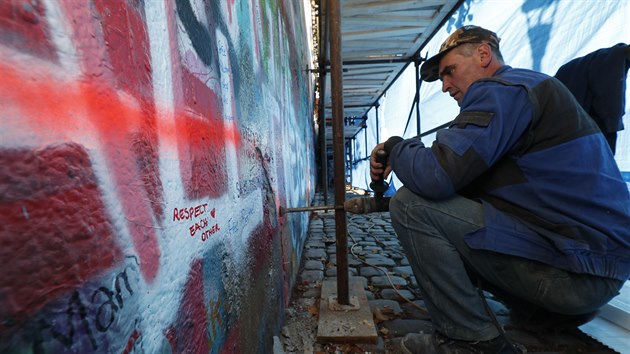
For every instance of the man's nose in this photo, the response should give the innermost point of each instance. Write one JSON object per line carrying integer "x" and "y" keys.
{"x": 445, "y": 84}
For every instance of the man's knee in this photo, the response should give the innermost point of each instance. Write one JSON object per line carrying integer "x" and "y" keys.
{"x": 403, "y": 198}
{"x": 406, "y": 206}
{"x": 396, "y": 204}
{"x": 399, "y": 202}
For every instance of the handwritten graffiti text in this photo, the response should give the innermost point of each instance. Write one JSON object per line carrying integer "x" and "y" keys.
{"x": 189, "y": 213}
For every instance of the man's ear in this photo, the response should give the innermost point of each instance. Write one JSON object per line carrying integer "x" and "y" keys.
{"x": 485, "y": 54}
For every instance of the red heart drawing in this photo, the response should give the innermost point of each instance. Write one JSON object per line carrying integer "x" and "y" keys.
{"x": 212, "y": 212}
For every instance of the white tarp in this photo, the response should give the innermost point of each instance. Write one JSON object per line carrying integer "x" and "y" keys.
{"x": 535, "y": 34}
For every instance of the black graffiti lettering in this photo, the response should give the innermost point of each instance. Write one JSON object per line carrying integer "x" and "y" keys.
{"x": 109, "y": 303}
{"x": 122, "y": 275}
{"x": 67, "y": 339}
{"x": 104, "y": 317}
{"x": 83, "y": 315}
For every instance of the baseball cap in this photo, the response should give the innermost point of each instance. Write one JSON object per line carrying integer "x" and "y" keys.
{"x": 466, "y": 34}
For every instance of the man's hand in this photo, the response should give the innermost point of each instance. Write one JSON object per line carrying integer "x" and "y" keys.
{"x": 376, "y": 168}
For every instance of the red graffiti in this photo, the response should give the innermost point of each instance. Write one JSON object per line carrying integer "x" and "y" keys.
{"x": 202, "y": 224}
{"x": 117, "y": 37}
{"x": 171, "y": 337}
{"x": 23, "y": 26}
{"x": 189, "y": 333}
{"x": 129, "y": 58}
{"x": 230, "y": 7}
{"x": 132, "y": 341}
{"x": 54, "y": 229}
{"x": 206, "y": 234}
{"x": 201, "y": 135}
{"x": 112, "y": 118}
{"x": 189, "y": 213}
{"x": 232, "y": 342}
{"x": 199, "y": 226}
{"x": 201, "y": 140}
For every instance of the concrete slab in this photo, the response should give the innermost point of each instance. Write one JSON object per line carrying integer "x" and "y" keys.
{"x": 345, "y": 324}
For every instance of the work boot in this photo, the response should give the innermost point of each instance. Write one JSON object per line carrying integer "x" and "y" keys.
{"x": 437, "y": 343}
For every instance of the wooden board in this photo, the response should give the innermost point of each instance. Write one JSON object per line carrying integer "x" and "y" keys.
{"x": 345, "y": 324}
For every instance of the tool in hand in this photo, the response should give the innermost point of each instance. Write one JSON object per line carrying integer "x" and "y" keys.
{"x": 379, "y": 187}
{"x": 362, "y": 205}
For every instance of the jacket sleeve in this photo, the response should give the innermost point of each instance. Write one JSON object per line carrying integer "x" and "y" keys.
{"x": 491, "y": 121}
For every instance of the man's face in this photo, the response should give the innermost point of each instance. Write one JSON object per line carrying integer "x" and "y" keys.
{"x": 458, "y": 72}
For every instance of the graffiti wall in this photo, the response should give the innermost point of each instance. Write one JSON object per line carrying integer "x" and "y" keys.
{"x": 145, "y": 149}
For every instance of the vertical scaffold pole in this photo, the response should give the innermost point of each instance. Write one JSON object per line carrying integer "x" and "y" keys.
{"x": 336, "y": 72}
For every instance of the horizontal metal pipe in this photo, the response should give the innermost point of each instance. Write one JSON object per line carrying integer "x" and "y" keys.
{"x": 284, "y": 210}
{"x": 363, "y": 205}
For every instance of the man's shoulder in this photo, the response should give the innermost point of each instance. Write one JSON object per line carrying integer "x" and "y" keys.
{"x": 508, "y": 76}
{"x": 511, "y": 73}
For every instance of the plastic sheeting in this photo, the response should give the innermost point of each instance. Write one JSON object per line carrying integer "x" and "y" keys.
{"x": 535, "y": 34}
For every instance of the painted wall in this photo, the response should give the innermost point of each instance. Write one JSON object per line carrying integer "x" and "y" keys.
{"x": 145, "y": 149}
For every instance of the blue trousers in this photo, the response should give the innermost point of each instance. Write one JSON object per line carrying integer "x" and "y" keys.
{"x": 432, "y": 235}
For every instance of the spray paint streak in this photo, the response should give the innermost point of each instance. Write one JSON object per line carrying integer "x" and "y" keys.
{"x": 63, "y": 101}
{"x": 200, "y": 143}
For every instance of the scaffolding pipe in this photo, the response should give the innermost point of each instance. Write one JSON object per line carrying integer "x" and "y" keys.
{"x": 418, "y": 82}
{"x": 377, "y": 127}
{"x": 413, "y": 106}
{"x": 367, "y": 151}
{"x": 323, "y": 40}
{"x": 350, "y": 158}
{"x": 336, "y": 78}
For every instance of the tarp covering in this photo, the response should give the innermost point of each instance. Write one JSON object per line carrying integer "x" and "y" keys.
{"x": 535, "y": 34}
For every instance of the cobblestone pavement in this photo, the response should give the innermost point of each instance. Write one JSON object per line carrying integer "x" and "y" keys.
{"x": 396, "y": 304}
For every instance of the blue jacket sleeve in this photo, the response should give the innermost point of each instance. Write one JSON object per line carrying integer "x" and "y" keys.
{"x": 492, "y": 119}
